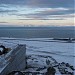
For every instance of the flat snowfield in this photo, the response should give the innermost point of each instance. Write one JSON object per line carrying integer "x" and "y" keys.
{"x": 61, "y": 51}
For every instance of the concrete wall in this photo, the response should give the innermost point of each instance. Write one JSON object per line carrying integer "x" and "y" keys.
{"x": 17, "y": 61}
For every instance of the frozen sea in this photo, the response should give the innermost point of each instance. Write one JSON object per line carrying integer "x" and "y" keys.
{"x": 60, "y": 50}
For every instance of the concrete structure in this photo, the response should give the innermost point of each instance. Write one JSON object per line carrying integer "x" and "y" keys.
{"x": 17, "y": 60}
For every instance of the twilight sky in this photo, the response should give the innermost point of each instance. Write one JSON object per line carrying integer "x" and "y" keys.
{"x": 37, "y": 12}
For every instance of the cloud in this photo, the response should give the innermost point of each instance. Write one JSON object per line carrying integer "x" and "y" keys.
{"x": 3, "y": 22}
{"x": 48, "y": 13}
{"x": 36, "y": 10}
{"x": 6, "y": 10}
{"x": 40, "y": 3}
{"x": 43, "y": 19}
{"x": 52, "y": 3}
{"x": 55, "y": 11}
{"x": 57, "y": 5}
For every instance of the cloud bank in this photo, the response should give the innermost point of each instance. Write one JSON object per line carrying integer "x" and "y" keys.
{"x": 16, "y": 10}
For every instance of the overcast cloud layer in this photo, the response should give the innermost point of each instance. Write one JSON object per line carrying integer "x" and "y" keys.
{"x": 36, "y": 10}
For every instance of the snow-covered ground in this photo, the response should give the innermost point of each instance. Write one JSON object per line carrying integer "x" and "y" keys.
{"x": 61, "y": 51}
